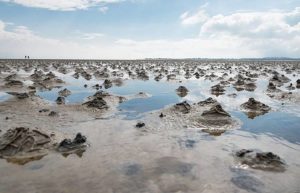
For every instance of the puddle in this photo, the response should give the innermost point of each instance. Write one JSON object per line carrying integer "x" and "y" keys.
{"x": 124, "y": 159}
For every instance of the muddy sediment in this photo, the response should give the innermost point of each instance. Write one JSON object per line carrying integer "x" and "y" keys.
{"x": 207, "y": 115}
{"x": 176, "y": 142}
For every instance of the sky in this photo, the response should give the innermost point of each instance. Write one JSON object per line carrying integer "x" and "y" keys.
{"x": 137, "y": 29}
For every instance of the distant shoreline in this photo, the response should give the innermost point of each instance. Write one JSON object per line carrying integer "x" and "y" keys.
{"x": 161, "y": 59}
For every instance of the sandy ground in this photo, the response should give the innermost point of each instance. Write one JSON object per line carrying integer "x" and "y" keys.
{"x": 168, "y": 155}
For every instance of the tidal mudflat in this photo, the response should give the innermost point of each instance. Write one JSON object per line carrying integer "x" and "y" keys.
{"x": 150, "y": 126}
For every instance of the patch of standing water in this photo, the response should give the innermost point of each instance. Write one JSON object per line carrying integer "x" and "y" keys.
{"x": 162, "y": 94}
{"x": 276, "y": 124}
{"x": 281, "y": 124}
{"x": 76, "y": 86}
{"x": 4, "y": 96}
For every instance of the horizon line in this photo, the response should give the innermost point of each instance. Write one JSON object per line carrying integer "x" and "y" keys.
{"x": 128, "y": 59}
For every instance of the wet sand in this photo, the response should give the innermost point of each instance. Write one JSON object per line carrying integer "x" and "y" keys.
{"x": 170, "y": 153}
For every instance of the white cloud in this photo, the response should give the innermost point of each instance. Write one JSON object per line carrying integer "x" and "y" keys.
{"x": 103, "y": 9}
{"x": 91, "y": 36}
{"x": 20, "y": 41}
{"x": 273, "y": 24}
{"x": 2, "y": 25}
{"x": 224, "y": 47}
{"x": 188, "y": 19}
{"x": 269, "y": 24}
{"x": 270, "y": 33}
{"x": 61, "y": 5}
{"x": 238, "y": 35}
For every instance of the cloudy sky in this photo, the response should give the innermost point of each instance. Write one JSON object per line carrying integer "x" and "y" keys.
{"x": 134, "y": 29}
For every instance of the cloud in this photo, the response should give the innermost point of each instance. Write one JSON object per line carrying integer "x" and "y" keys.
{"x": 61, "y": 5}
{"x": 270, "y": 33}
{"x": 268, "y": 24}
{"x": 225, "y": 47}
{"x": 20, "y": 41}
{"x": 91, "y": 36}
{"x": 273, "y": 33}
{"x": 103, "y": 9}
{"x": 256, "y": 25}
{"x": 237, "y": 35}
{"x": 2, "y": 26}
{"x": 189, "y": 19}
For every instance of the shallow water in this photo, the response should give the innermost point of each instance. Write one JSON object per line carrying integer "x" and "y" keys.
{"x": 284, "y": 123}
{"x": 122, "y": 159}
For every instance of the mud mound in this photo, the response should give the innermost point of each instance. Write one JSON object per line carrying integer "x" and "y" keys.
{"x": 23, "y": 141}
{"x": 22, "y": 145}
{"x": 255, "y": 108}
{"x": 279, "y": 80}
{"x": 207, "y": 115}
{"x": 216, "y": 110}
{"x": 107, "y": 83}
{"x": 272, "y": 87}
{"x": 253, "y": 104}
{"x": 261, "y": 160}
{"x": 69, "y": 146}
{"x": 12, "y": 83}
{"x": 182, "y": 91}
{"x": 208, "y": 101}
{"x": 183, "y": 107}
{"x": 22, "y": 95}
{"x": 215, "y": 116}
{"x": 97, "y": 102}
{"x": 60, "y": 100}
{"x": 217, "y": 90}
{"x": 65, "y": 92}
